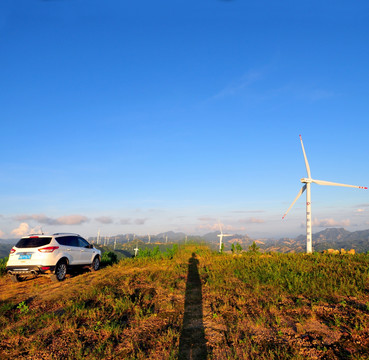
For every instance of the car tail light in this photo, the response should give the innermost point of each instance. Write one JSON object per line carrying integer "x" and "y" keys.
{"x": 34, "y": 237}
{"x": 12, "y": 250}
{"x": 43, "y": 268}
{"x": 48, "y": 249}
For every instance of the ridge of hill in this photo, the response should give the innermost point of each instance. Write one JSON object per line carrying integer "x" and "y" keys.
{"x": 331, "y": 238}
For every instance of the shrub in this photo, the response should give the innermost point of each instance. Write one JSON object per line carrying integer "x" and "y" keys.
{"x": 3, "y": 262}
{"x": 109, "y": 258}
{"x": 253, "y": 247}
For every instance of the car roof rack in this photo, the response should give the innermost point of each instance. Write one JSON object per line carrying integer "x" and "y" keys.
{"x": 66, "y": 234}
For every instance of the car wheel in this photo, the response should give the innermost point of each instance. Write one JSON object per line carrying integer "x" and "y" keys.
{"x": 95, "y": 264}
{"x": 60, "y": 271}
{"x": 15, "y": 278}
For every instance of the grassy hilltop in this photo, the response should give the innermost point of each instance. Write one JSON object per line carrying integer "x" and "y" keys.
{"x": 194, "y": 303}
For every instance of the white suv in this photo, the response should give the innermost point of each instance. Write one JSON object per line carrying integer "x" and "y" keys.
{"x": 52, "y": 255}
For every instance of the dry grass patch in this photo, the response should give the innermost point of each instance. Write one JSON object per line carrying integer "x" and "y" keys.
{"x": 246, "y": 307}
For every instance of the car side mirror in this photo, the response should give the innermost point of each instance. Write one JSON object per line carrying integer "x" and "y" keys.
{"x": 89, "y": 246}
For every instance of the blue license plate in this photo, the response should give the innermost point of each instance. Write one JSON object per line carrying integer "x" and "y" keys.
{"x": 25, "y": 256}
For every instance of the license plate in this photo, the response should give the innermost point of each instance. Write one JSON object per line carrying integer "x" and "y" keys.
{"x": 25, "y": 256}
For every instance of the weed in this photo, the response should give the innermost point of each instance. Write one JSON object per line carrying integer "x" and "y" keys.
{"x": 23, "y": 307}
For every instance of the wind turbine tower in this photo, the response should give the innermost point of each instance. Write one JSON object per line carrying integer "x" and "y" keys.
{"x": 307, "y": 185}
{"x": 221, "y": 235}
{"x": 98, "y": 237}
{"x": 149, "y": 238}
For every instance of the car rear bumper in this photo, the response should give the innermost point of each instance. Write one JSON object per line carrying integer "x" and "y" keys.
{"x": 29, "y": 269}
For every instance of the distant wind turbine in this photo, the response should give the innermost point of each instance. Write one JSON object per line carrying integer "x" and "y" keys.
{"x": 136, "y": 249}
{"x": 221, "y": 235}
{"x": 307, "y": 181}
{"x": 149, "y": 238}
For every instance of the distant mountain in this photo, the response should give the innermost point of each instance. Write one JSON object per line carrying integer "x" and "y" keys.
{"x": 172, "y": 236}
{"x": 341, "y": 238}
{"x": 244, "y": 240}
{"x": 5, "y": 249}
{"x": 332, "y": 238}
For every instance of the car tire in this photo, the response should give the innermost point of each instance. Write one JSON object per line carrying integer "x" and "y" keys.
{"x": 60, "y": 271}
{"x": 15, "y": 278}
{"x": 95, "y": 264}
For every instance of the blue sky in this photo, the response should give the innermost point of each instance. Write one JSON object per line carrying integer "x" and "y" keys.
{"x": 144, "y": 117}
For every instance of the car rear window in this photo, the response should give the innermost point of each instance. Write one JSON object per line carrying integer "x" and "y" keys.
{"x": 33, "y": 242}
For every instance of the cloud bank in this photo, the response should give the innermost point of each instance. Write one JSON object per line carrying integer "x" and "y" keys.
{"x": 63, "y": 220}
{"x": 24, "y": 229}
{"x": 104, "y": 219}
{"x": 251, "y": 221}
{"x": 330, "y": 222}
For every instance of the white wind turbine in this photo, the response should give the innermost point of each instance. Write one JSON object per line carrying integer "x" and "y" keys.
{"x": 307, "y": 181}
{"x": 136, "y": 248}
{"x": 221, "y": 235}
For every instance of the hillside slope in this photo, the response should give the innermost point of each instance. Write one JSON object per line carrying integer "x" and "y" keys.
{"x": 210, "y": 305}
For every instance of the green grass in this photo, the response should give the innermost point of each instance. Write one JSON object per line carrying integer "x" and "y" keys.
{"x": 254, "y": 306}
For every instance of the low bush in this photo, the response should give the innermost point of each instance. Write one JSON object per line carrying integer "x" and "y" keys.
{"x": 109, "y": 258}
{"x": 3, "y": 262}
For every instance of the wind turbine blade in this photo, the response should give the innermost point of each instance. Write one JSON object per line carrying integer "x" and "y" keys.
{"x": 306, "y": 160}
{"x": 322, "y": 182}
{"x": 220, "y": 227}
{"x": 298, "y": 195}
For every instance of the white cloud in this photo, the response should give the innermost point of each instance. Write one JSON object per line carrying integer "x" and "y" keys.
{"x": 251, "y": 221}
{"x": 359, "y": 210}
{"x": 247, "y": 211}
{"x": 105, "y": 219}
{"x": 63, "y": 220}
{"x": 363, "y": 205}
{"x": 41, "y": 218}
{"x": 24, "y": 229}
{"x": 125, "y": 221}
{"x": 21, "y": 230}
{"x": 1, "y": 234}
{"x": 72, "y": 220}
{"x": 215, "y": 227}
{"x": 330, "y": 222}
{"x": 204, "y": 218}
{"x": 140, "y": 221}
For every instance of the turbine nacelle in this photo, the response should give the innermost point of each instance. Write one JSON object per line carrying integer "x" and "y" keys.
{"x": 306, "y": 180}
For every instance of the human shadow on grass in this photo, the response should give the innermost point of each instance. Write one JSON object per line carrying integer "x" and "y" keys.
{"x": 192, "y": 342}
